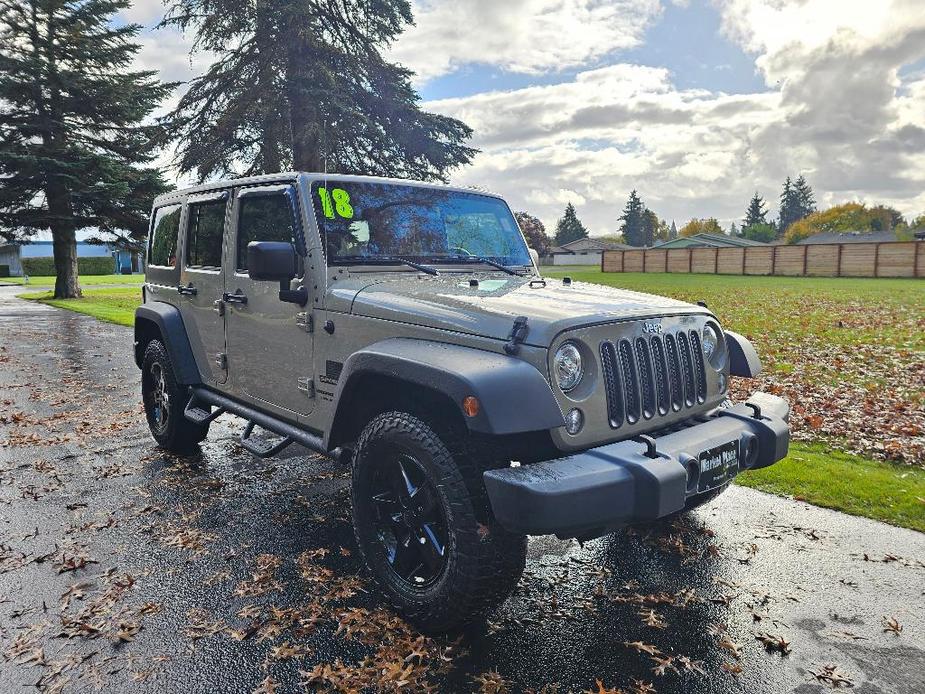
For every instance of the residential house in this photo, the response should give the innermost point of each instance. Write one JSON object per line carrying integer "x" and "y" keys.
{"x": 584, "y": 251}
{"x": 707, "y": 241}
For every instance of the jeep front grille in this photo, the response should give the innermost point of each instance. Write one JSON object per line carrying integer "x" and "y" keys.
{"x": 652, "y": 376}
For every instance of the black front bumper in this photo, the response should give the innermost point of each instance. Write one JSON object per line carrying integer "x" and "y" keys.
{"x": 594, "y": 491}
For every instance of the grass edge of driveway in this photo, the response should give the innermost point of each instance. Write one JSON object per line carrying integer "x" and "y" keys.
{"x": 814, "y": 473}
{"x": 111, "y": 304}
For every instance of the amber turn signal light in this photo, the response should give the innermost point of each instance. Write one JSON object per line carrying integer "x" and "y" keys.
{"x": 471, "y": 406}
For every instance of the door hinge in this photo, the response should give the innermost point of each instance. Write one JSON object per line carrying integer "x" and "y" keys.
{"x": 307, "y": 386}
{"x": 304, "y": 320}
{"x": 221, "y": 360}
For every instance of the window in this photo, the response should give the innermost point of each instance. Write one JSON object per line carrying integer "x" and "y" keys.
{"x": 366, "y": 222}
{"x": 263, "y": 218}
{"x": 163, "y": 248}
{"x": 204, "y": 234}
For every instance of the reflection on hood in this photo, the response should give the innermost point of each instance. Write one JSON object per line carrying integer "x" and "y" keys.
{"x": 448, "y": 302}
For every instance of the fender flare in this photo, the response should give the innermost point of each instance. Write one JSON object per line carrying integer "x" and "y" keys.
{"x": 743, "y": 358}
{"x": 166, "y": 319}
{"x": 514, "y": 396}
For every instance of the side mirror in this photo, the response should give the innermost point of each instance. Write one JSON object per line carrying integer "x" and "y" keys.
{"x": 276, "y": 261}
{"x": 272, "y": 261}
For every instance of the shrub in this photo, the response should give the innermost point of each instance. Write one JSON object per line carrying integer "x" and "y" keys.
{"x": 760, "y": 232}
{"x": 4, "y": 270}
{"x": 45, "y": 267}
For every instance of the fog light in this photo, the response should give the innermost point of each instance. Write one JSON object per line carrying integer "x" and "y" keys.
{"x": 574, "y": 421}
{"x": 722, "y": 382}
{"x": 471, "y": 406}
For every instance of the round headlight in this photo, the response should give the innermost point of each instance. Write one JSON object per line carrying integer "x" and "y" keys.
{"x": 567, "y": 367}
{"x": 710, "y": 341}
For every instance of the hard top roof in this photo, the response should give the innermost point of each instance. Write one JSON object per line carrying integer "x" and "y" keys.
{"x": 289, "y": 176}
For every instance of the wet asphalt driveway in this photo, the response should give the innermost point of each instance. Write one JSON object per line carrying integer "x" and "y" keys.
{"x": 125, "y": 569}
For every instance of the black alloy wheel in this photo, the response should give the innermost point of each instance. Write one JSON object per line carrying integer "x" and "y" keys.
{"x": 410, "y": 521}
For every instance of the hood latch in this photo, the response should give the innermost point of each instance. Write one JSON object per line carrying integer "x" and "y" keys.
{"x": 518, "y": 335}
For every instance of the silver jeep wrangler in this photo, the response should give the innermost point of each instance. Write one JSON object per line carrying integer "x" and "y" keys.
{"x": 404, "y": 328}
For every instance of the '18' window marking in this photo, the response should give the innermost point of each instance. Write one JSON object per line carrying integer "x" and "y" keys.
{"x": 337, "y": 200}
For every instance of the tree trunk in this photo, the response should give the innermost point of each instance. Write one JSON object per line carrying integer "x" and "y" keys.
{"x": 307, "y": 154}
{"x": 269, "y": 142}
{"x": 63, "y": 243}
{"x": 67, "y": 282}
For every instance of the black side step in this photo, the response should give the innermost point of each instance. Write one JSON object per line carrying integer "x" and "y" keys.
{"x": 201, "y": 415}
{"x": 263, "y": 449}
{"x": 269, "y": 422}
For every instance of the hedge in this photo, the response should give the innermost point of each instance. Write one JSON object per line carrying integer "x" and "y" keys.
{"x": 4, "y": 270}
{"x": 45, "y": 267}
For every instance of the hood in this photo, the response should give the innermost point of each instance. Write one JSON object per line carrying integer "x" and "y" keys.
{"x": 447, "y": 302}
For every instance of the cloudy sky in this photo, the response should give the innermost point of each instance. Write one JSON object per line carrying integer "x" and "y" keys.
{"x": 694, "y": 103}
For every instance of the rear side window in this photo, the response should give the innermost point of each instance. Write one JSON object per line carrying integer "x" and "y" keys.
{"x": 164, "y": 230}
{"x": 204, "y": 234}
{"x": 263, "y": 218}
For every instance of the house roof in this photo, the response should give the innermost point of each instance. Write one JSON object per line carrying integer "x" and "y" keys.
{"x": 849, "y": 237}
{"x": 588, "y": 244}
{"x": 708, "y": 241}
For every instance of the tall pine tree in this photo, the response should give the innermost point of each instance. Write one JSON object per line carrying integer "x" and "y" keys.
{"x": 806, "y": 201}
{"x": 73, "y": 152}
{"x": 673, "y": 233}
{"x": 756, "y": 212}
{"x": 789, "y": 207}
{"x": 632, "y": 218}
{"x": 569, "y": 227}
{"x": 305, "y": 85}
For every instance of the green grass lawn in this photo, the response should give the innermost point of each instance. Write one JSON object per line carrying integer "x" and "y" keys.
{"x": 85, "y": 280}
{"x": 818, "y": 475}
{"x": 113, "y": 304}
{"x": 839, "y": 310}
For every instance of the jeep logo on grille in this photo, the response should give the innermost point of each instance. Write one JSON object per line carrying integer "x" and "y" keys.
{"x": 652, "y": 327}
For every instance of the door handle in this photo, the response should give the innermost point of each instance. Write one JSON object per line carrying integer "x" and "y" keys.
{"x": 188, "y": 290}
{"x": 236, "y": 298}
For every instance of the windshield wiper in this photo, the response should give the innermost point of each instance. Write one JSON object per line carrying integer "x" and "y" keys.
{"x": 487, "y": 261}
{"x": 386, "y": 259}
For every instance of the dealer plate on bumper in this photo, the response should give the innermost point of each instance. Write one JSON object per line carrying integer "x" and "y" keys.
{"x": 718, "y": 466}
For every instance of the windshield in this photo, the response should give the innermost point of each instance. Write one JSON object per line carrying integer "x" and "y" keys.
{"x": 372, "y": 222}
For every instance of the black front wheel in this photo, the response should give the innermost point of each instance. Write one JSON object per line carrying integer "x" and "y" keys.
{"x": 423, "y": 525}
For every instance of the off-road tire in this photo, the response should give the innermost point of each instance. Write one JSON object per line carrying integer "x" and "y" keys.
{"x": 173, "y": 432}
{"x": 483, "y": 562}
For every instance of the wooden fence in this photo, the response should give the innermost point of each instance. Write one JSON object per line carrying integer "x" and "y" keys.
{"x": 904, "y": 259}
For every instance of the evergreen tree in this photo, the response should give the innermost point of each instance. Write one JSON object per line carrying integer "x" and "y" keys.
{"x": 662, "y": 233}
{"x": 534, "y": 231}
{"x": 789, "y": 207}
{"x": 632, "y": 218}
{"x": 673, "y": 233}
{"x": 649, "y": 227}
{"x": 756, "y": 212}
{"x": 733, "y": 231}
{"x": 806, "y": 201}
{"x": 569, "y": 227}
{"x": 305, "y": 85}
{"x": 74, "y": 153}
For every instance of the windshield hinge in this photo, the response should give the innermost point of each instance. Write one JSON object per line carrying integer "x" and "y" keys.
{"x": 518, "y": 334}
{"x": 304, "y": 320}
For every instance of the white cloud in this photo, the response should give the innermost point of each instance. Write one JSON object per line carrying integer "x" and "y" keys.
{"x": 527, "y": 36}
{"x": 835, "y": 109}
